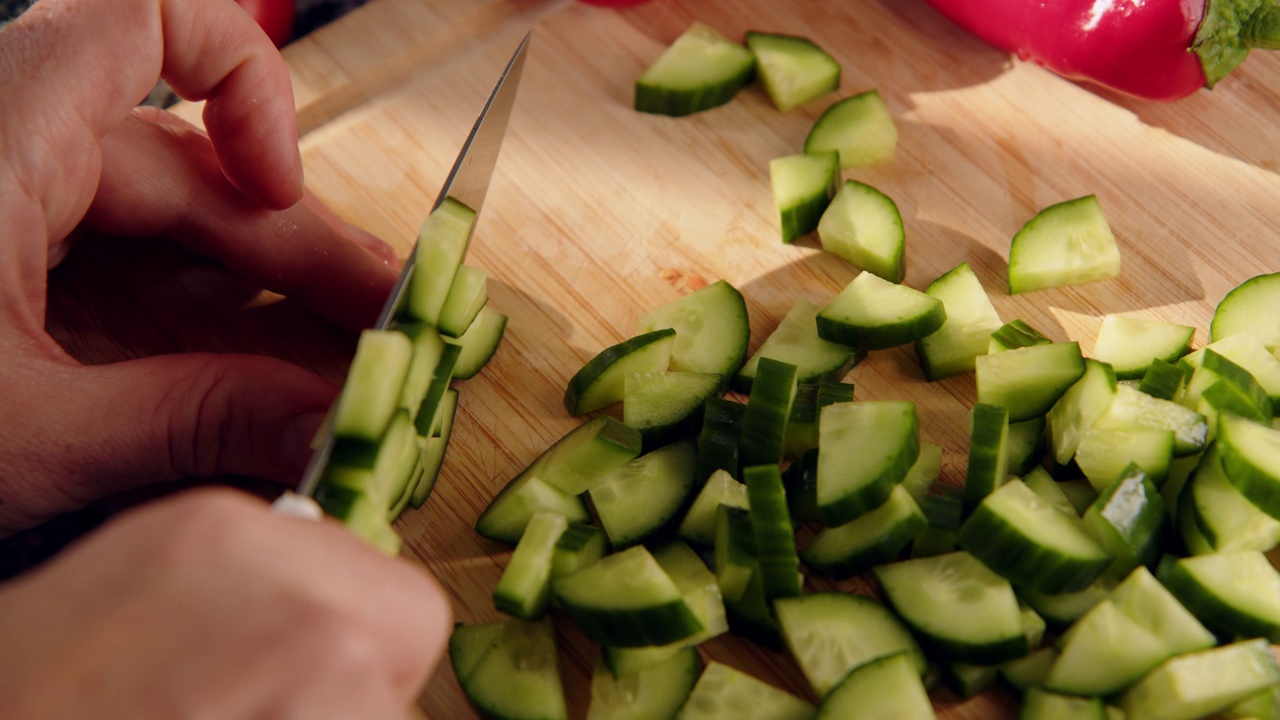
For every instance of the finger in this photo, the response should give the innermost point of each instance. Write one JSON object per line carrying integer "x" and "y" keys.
{"x": 59, "y": 102}
{"x": 161, "y": 178}
{"x": 92, "y": 431}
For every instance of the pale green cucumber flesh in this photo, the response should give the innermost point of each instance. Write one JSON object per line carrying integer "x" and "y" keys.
{"x": 863, "y": 225}
{"x": 859, "y": 127}
{"x": 792, "y": 69}
{"x": 1069, "y": 243}
{"x": 700, "y": 70}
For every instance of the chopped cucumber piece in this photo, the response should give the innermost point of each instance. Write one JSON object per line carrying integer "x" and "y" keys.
{"x": 426, "y": 419}
{"x": 579, "y": 546}
{"x": 1079, "y": 408}
{"x": 956, "y": 605}
{"x": 859, "y": 127}
{"x": 1235, "y": 594}
{"x": 1040, "y": 704}
{"x": 1249, "y": 309}
{"x": 1251, "y": 459}
{"x": 1028, "y": 380}
{"x": 1199, "y": 684}
{"x": 863, "y": 225}
{"x": 802, "y": 427}
{"x": 644, "y": 497}
{"x": 699, "y": 523}
{"x": 831, "y": 633}
{"x": 1247, "y": 352}
{"x": 1132, "y": 408}
{"x": 1069, "y": 243}
{"x": 888, "y": 687}
{"x": 873, "y": 314}
{"x": 626, "y": 600}
{"x": 772, "y": 531}
{"x": 873, "y": 538}
{"x": 1105, "y": 453}
{"x": 517, "y": 672}
{"x": 867, "y": 449}
{"x": 479, "y": 343}
{"x": 524, "y": 590}
{"x": 433, "y": 450}
{"x": 966, "y": 333}
{"x": 711, "y": 327}
{"x": 734, "y": 551}
{"x": 467, "y": 295}
{"x": 1129, "y": 344}
{"x": 723, "y": 692}
{"x": 721, "y": 435}
{"x": 428, "y": 351}
{"x": 764, "y": 422}
{"x": 507, "y": 514}
{"x": 372, "y": 389}
{"x": 588, "y": 453}
{"x": 792, "y": 69}
{"x": 667, "y": 406}
{"x": 1031, "y": 542}
{"x": 1163, "y": 380}
{"x": 1128, "y": 520}
{"x": 469, "y": 643}
{"x": 796, "y": 341}
{"x": 1026, "y": 445}
{"x": 656, "y": 691}
{"x": 1224, "y": 517}
{"x": 988, "y": 443}
{"x": 1013, "y": 335}
{"x": 702, "y": 69}
{"x": 601, "y": 382}
{"x": 442, "y": 245}
{"x": 803, "y": 186}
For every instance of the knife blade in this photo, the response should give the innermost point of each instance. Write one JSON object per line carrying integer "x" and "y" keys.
{"x": 468, "y": 183}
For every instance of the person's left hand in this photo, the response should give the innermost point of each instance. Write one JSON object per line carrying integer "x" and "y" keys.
{"x": 76, "y": 156}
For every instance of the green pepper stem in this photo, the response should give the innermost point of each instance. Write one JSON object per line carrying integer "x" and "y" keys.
{"x": 1262, "y": 29}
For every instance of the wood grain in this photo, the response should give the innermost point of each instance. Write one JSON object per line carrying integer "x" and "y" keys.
{"x": 598, "y": 213}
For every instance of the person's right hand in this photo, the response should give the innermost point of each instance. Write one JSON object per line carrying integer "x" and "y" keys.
{"x": 207, "y": 605}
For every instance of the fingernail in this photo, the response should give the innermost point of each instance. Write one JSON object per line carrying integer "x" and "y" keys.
{"x": 373, "y": 244}
{"x": 299, "y": 439}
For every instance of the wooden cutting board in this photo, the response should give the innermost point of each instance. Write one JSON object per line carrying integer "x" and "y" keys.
{"x": 598, "y": 213}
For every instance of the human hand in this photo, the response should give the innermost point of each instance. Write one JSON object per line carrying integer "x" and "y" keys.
{"x": 76, "y": 157}
{"x": 207, "y": 603}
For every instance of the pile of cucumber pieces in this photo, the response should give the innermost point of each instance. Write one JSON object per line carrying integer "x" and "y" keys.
{"x": 394, "y": 417}
{"x": 1104, "y": 558}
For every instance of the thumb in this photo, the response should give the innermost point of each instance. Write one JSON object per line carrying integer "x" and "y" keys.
{"x": 115, "y": 427}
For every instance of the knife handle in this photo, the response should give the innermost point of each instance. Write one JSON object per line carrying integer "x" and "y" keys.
{"x": 292, "y": 504}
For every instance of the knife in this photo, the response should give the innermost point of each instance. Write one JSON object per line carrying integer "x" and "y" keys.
{"x": 467, "y": 183}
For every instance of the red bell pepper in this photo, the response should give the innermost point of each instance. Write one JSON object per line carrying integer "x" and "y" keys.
{"x": 1154, "y": 49}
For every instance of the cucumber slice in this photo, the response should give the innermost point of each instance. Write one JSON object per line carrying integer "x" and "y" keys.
{"x": 874, "y": 314}
{"x": 720, "y": 437}
{"x": 587, "y": 454}
{"x": 971, "y": 318}
{"x": 702, "y": 69}
{"x": 967, "y": 679}
{"x": 1249, "y": 309}
{"x": 1013, "y": 335}
{"x": 1247, "y": 352}
{"x": 1028, "y": 380}
{"x": 656, "y": 691}
{"x": 803, "y": 186}
{"x": 1235, "y": 594}
{"x": 524, "y": 590}
{"x": 507, "y": 514}
{"x": 1026, "y": 446}
{"x": 372, "y": 389}
{"x": 801, "y": 480}
{"x": 921, "y": 478}
{"x": 723, "y": 692}
{"x": 390, "y": 463}
{"x": 988, "y": 444}
{"x": 1104, "y": 454}
{"x": 1032, "y": 543}
{"x": 1062, "y": 609}
{"x": 517, "y": 675}
{"x": 1051, "y": 491}
{"x": 1079, "y": 408}
{"x": 867, "y": 449}
{"x": 701, "y": 593}
{"x": 426, "y": 419}
{"x": 711, "y": 330}
{"x": 1128, "y": 520}
{"x": 792, "y": 69}
{"x": 888, "y": 687}
{"x": 600, "y": 383}
{"x": 469, "y": 643}
{"x": 1039, "y": 704}
{"x": 479, "y": 343}
{"x": 1163, "y": 380}
{"x": 764, "y": 422}
{"x": 363, "y": 515}
{"x": 863, "y": 225}
{"x": 666, "y": 406}
{"x": 1226, "y": 519}
{"x": 1251, "y": 460}
{"x": 579, "y": 546}
{"x": 956, "y": 605}
{"x": 1143, "y": 598}
{"x": 1129, "y": 344}
{"x": 1214, "y": 369}
{"x": 1069, "y": 243}
{"x": 1199, "y": 684}
{"x": 699, "y": 523}
{"x": 433, "y": 450}
{"x": 734, "y": 551}
{"x": 802, "y": 427}
{"x": 772, "y": 531}
{"x": 875, "y": 537}
{"x": 796, "y": 341}
{"x": 1132, "y": 408}
{"x": 1105, "y": 652}
{"x": 626, "y": 600}
{"x": 644, "y": 497}
{"x": 468, "y": 293}
{"x": 442, "y": 245}
{"x": 428, "y": 350}
{"x": 1030, "y": 670}
{"x": 832, "y": 633}
{"x": 859, "y": 127}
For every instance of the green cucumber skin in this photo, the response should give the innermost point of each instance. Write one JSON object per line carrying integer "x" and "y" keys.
{"x": 988, "y": 463}
{"x": 773, "y": 531}
{"x": 859, "y": 557}
{"x": 720, "y": 438}
{"x": 656, "y": 625}
{"x": 768, "y": 410}
{"x": 1223, "y": 619}
{"x": 584, "y": 379}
